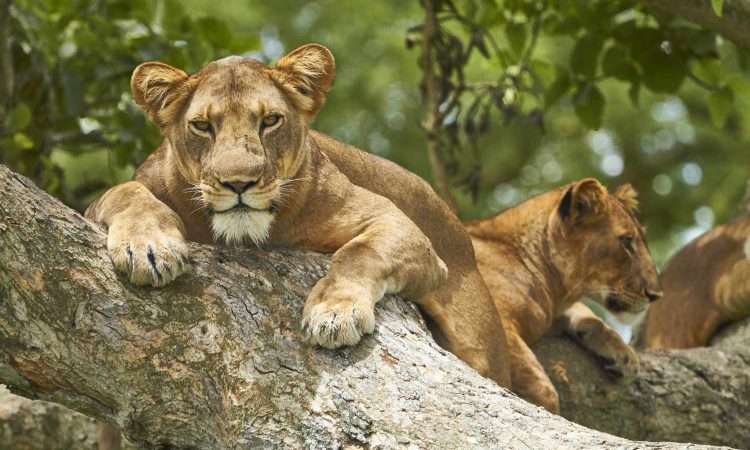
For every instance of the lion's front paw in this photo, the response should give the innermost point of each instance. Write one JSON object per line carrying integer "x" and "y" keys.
{"x": 148, "y": 255}
{"x": 336, "y": 315}
{"x": 616, "y": 357}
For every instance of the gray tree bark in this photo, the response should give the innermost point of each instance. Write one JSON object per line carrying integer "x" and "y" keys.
{"x": 215, "y": 360}
{"x": 699, "y": 395}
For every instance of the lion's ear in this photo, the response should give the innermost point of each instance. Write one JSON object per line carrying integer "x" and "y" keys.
{"x": 156, "y": 87}
{"x": 628, "y": 196}
{"x": 583, "y": 201}
{"x": 306, "y": 74}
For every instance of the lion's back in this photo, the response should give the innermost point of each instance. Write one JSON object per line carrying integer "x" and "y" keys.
{"x": 410, "y": 193}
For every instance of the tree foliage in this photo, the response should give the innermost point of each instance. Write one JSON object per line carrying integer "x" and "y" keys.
{"x": 575, "y": 80}
{"x": 70, "y": 122}
{"x": 532, "y": 93}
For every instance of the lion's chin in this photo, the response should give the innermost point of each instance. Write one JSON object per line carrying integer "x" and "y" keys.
{"x": 628, "y": 312}
{"x": 236, "y": 227}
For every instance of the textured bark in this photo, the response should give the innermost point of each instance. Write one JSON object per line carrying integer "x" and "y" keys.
{"x": 215, "y": 360}
{"x": 733, "y": 24}
{"x": 31, "y": 425}
{"x": 699, "y": 395}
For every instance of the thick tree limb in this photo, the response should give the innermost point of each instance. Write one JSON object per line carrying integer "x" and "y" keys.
{"x": 699, "y": 395}
{"x": 734, "y": 23}
{"x": 215, "y": 360}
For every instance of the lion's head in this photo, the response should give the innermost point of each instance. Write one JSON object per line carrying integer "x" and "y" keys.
{"x": 236, "y": 130}
{"x": 598, "y": 240}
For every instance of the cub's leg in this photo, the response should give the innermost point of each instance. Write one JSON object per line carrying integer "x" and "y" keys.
{"x": 382, "y": 251}
{"x": 529, "y": 379}
{"x": 145, "y": 238}
{"x": 592, "y": 333}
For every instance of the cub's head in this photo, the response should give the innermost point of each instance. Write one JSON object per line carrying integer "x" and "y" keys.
{"x": 601, "y": 244}
{"x": 236, "y": 130}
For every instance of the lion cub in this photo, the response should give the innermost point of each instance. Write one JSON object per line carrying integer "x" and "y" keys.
{"x": 706, "y": 285}
{"x": 538, "y": 258}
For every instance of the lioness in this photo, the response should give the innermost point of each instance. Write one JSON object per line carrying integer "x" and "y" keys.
{"x": 706, "y": 285}
{"x": 239, "y": 165}
{"x": 541, "y": 256}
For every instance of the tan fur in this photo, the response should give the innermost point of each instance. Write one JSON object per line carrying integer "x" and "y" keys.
{"x": 108, "y": 437}
{"x": 706, "y": 285}
{"x": 540, "y": 257}
{"x": 387, "y": 230}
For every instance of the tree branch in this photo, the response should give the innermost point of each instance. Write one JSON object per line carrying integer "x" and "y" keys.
{"x": 6, "y": 62}
{"x": 215, "y": 360}
{"x": 733, "y": 24}
{"x": 679, "y": 395}
{"x": 432, "y": 119}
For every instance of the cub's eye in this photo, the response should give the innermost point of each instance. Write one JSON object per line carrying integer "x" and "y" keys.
{"x": 271, "y": 120}
{"x": 201, "y": 126}
{"x": 627, "y": 242}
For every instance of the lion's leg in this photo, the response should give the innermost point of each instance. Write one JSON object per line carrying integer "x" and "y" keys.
{"x": 580, "y": 323}
{"x": 529, "y": 379}
{"x": 465, "y": 322}
{"x": 383, "y": 252}
{"x": 145, "y": 238}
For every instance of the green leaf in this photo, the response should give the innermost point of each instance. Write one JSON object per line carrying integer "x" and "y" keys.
{"x": 718, "y": 6}
{"x": 22, "y": 141}
{"x": 662, "y": 71}
{"x": 702, "y": 43}
{"x": 617, "y": 63}
{"x": 20, "y": 117}
{"x": 215, "y": 31}
{"x": 589, "y": 105}
{"x": 516, "y": 34}
{"x": 543, "y": 71}
{"x": 72, "y": 93}
{"x": 489, "y": 14}
{"x": 708, "y": 70}
{"x": 719, "y": 106}
{"x": 556, "y": 90}
{"x": 633, "y": 92}
{"x": 740, "y": 86}
{"x": 585, "y": 57}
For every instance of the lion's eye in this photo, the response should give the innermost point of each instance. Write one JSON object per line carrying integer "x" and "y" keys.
{"x": 271, "y": 120}
{"x": 627, "y": 242}
{"x": 202, "y": 126}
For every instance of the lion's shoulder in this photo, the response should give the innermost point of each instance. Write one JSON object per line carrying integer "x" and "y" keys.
{"x": 410, "y": 193}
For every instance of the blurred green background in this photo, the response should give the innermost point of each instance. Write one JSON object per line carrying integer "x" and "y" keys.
{"x": 571, "y": 89}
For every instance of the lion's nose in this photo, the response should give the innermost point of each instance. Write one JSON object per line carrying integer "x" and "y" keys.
{"x": 653, "y": 295}
{"x": 239, "y": 186}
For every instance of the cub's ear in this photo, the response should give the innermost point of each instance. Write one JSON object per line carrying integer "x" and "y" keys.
{"x": 628, "y": 196}
{"x": 583, "y": 201}
{"x": 156, "y": 87}
{"x": 306, "y": 74}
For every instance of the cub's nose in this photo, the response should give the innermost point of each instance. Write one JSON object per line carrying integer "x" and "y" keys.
{"x": 239, "y": 186}
{"x": 653, "y": 295}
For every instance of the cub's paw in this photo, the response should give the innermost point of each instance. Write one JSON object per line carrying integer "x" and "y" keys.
{"x": 623, "y": 363}
{"x": 337, "y": 314}
{"x": 147, "y": 255}
{"x": 617, "y": 358}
